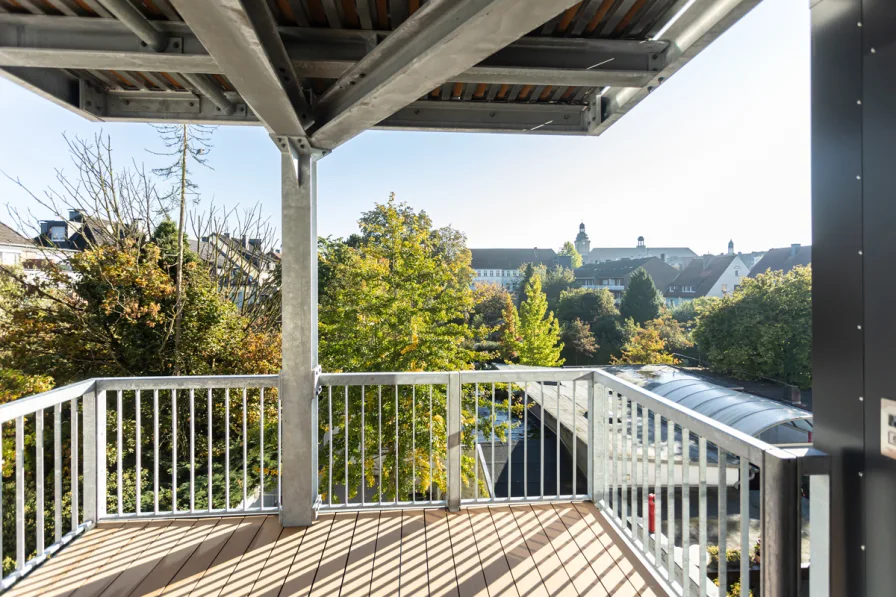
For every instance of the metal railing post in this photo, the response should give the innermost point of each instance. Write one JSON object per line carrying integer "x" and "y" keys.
{"x": 781, "y": 524}
{"x": 594, "y": 433}
{"x": 91, "y": 453}
{"x": 100, "y": 454}
{"x": 454, "y": 443}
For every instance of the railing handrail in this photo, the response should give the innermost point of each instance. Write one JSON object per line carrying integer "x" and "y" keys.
{"x": 26, "y": 406}
{"x": 724, "y": 436}
{"x": 185, "y": 382}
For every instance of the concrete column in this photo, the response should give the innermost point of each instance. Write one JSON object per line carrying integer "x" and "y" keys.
{"x": 298, "y": 386}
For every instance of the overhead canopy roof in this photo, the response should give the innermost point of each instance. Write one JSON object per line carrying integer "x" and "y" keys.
{"x": 326, "y": 70}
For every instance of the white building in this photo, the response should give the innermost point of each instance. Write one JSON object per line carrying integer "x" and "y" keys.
{"x": 710, "y": 275}
{"x": 677, "y": 257}
{"x": 502, "y": 266}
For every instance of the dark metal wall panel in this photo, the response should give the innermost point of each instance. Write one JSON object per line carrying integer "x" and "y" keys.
{"x": 837, "y": 239}
{"x": 879, "y": 177}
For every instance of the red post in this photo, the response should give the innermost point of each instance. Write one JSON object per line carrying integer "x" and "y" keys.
{"x": 651, "y": 513}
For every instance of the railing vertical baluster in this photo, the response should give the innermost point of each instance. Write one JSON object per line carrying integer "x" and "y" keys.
{"x": 414, "y": 443}
{"x": 453, "y": 403}
{"x": 118, "y": 450}
{"x": 227, "y": 448}
{"x": 174, "y": 451}
{"x": 657, "y": 487}
{"x": 744, "y": 526}
{"x": 431, "y": 473}
{"x": 670, "y": 497}
{"x": 575, "y": 438}
{"x": 75, "y": 449}
{"x": 1, "y": 492}
{"x": 492, "y": 470}
{"x": 20, "y": 493}
{"x": 396, "y": 443}
{"x": 645, "y": 428}
{"x": 615, "y": 433}
{"x": 57, "y": 471}
{"x": 509, "y": 436}
{"x": 261, "y": 448}
{"x": 245, "y": 454}
{"x": 686, "y": 510}
{"x": 363, "y": 451}
{"x": 476, "y": 444}
{"x": 526, "y": 441}
{"x": 604, "y": 404}
{"x": 94, "y": 455}
{"x": 593, "y": 421}
{"x": 39, "y": 480}
{"x": 623, "y": 462}
{"x": 541, "y": 416}
{"x": 723, "y": 516}
{"x": 192, "y": 450}
{"x": 703, "y": 523}
{"x": 379, "y": 443}
{"x": 210, "y": 463}
{"x": 280, "y": 449}
{"x": 557, "y": 453}
{"x": 155, "y": 451}
{"x": 138, "y": 440}
{"x": 345, "y": 437}
{"x": 332, "y": 438}
{"x": 633, "y": 500}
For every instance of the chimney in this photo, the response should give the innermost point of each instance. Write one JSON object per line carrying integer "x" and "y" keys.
{"x": 794, "y": 249}
{"x": 663, "y": 257}
{"x": 73, "y": 214}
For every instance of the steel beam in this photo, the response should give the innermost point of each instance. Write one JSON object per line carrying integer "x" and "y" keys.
{"x": 243, "y": 39}
{"x": 494, "y": 117}
{"x": 699, "y": 25}
{"x": 55, "y": 85}
{"x": 440, "y": 41}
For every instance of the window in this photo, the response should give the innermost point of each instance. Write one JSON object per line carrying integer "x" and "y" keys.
{"x": 724, "y": 288}
{"x": 737, "y": 272}
{"x": 57, "y": 233}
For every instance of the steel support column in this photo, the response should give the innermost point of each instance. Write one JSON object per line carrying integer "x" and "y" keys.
{"x": 298, "y": 375}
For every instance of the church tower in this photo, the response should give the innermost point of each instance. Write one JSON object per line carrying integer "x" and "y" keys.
{"x": 583, "y": 243}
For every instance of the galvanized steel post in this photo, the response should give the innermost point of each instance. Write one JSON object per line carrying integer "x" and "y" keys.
{"x": 781, "y": 522}
{"x": 298, "y": 376}
{"x": 454, "y": 442}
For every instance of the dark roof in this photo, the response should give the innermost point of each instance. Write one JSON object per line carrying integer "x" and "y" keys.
{"x": 611, "y": 269}
{"x": 783, "y": 260}
{"x": 610, "y": 253}
{"x": 702, "y": 274}
{"x": 11, "y": 237}
{"x": 511, "y": 258}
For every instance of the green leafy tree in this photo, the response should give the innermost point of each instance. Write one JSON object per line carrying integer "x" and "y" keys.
{"x": 641, "y": 301}
{"x": 539, "y": 331}
{"x": 578, "y": 341}
{"x": 487, "y": 316}
{"x": 528, "y": 271}
{"x": 587, "y": 304}
{"x": 644, "y": 347}
{"x": 556, "y": 280}
{"x": 763, "y": 329}
{"x": 570, "y": 249}
{"x": 510, "y": 332}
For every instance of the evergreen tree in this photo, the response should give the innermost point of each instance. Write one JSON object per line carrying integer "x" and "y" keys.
{"x": 570, "y": 249}
{"x": 510, "y": 332}
{"x": 539, "y": 332}
{"x": 641, "y": 300}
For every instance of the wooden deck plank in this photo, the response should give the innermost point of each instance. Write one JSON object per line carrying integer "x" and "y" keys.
{"x": 413, "y": 578}
{"x": 442, "y": 570}
{"x": 278, "y": 563}
{"x": 359, "y": 568}
{"x": 586, "y": 534}
{"x": 467, "y": 562}
{"x": 41, "y": 580}
{"x": 202, "y": 557}
{"x": 130, "y": 536}
{"x": 495, "y": 568}
{"x": 526, "y": 576}
{"x": 169, "y": 565}
{"x": 642, "y": 580}
{"x": 215, "y": 578}
{"x": 328, "y": 579}
{"x": 577, "y": 567}
{"x": 551, "y": 569}
{"x": 304, "y": 565}
{"x": 122, "y": 561}
{"x": 253, "y": 561}
{"x": 387, "y": 560}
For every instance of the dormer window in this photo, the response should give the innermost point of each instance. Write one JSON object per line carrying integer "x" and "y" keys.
{"x": 57, "y": 233}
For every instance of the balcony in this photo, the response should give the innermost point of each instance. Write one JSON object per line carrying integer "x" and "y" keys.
{"x": 477, "y": 482}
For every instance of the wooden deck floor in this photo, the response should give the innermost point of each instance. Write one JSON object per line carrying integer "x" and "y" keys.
{"x": 561, "y": 549}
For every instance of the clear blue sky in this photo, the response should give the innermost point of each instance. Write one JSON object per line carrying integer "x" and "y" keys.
{"x": 719, "y": 152}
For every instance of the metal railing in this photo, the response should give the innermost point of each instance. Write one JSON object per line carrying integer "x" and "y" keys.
{"x": 206, "y": 446}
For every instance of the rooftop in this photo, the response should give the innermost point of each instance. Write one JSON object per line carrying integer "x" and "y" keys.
{"x": 783, "y": 260}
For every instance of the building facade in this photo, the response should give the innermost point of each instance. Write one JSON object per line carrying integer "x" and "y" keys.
{"x": 710, "y": 275}
{"x": 616, "y": 275}
{"x": 677, "y": 257}
{"x": 583, "y": 243}
{"x": 502, "y": 266}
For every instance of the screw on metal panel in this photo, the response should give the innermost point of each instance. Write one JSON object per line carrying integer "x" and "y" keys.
{"x": 859, "y": 102}
{"x": 492, "y": 114}
{"x": 176, "y": 44}
{"x": 240, "y": 108}
{"x": 191, "y": 104}
{"x": 859, "y": 327}
{"x": 649, "y": 89}
{"x": 860, "y": 474}
{"x": 861, "y": 398}
{"x": 863, "y": 548}
{"x": 859, "y": 23}
{"x": 143, "y": 43}
{"x": 860, "y": 253}
{"x": 661, "y": 79}
{"x": 218, "y": 109}
{"x": 127, "y": 102}
{"x": 655, "y": 56}
{"x": 89, "y": 103}
{"x": 873, "y": 51}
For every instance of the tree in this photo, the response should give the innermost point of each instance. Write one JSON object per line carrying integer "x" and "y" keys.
{"x": 510, "y": 332}
{"x": 641, "y": 301}
{"x": 528, "y": 271}
{"x": 539, "y": 332}
{"x": 673, "y": 334}
{"x": 487, "y": 316}
{"x": 645, "y": 347}
{"x": 570, "y": 249}
{"x": 578, "y": 339}
{"x": 587, "y": 304}
{"x": 763, "y": 329}
{"x": 556, "y": 280}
